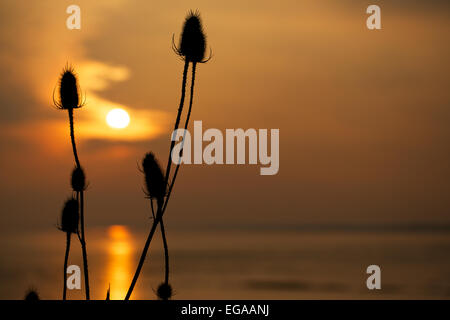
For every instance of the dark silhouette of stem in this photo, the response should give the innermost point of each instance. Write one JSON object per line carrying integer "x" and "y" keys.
{"x": 144, "y": 253}
{"x": 166, "y": 252}
{"x": 66, "y": 258}
{"x": 191, "y": 99}
{"x": 177, "y": 122}
{"x": 82, "y": 238}
{"x": 72, "y": 137}
{"x": 163, "y": 232}
{"x": 83, "y": 247}
{"x": 166, "y": 248}
{"x": 159, "y": 210}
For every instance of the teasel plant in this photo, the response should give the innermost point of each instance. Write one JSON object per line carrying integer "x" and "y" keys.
{"x": 70, "y": 99}
{"x": 191, "y": 49}
{"x": 69, "y": 224}
{"x": 32, "y": 295}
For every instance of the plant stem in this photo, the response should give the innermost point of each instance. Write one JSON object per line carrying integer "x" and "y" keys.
{"x": 164, "y": 238}
{"x": 83, "y": 247}
{"x": 159, "y": 212}
{"x": 166, "y": 252}
{"x": 144, "y": 253}
{"x": 163, "y": 232}
{"x": 66, "y": 258}
{"x": 82, "y": 238}
{"x": 72, "y": 137}
{"x": 191, "y": 99}
{"x": 177, "y": 122}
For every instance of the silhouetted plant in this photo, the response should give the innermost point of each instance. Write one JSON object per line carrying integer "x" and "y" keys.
{"x": 154, "y": 178}
{"x": 32, "y": 295}
{"x": 191, "y": 48}
{"x": 164, "y": 291}
{"x": 78, "y": 180}
{"x": 70, "y": 99}
{"x": 155, "y": 190}
{"x": 68, "y": 224}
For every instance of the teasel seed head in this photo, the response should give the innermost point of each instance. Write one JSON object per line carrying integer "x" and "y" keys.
{"x": 164, "y": 291}
{"x": 70, "y": 216}
{"x": 154, "y": 178}
{"x": 78, "y": 180}
{"x": 32, "y": 295}
{"x": 192, "y": 44}
{"x": 69, "y": 96}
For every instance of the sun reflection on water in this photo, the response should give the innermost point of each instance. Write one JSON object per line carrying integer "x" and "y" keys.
{"x": 119, "y": 267}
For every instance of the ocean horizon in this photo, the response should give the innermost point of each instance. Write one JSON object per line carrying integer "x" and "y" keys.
{"x": 239, "y": 262}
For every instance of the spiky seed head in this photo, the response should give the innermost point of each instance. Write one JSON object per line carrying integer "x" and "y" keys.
{"x": 193, "y": 40}
{"x": 32, "y": 295}
{"x": 164, "y": 291}
{"x": 70, "y": 216}
{"x": 69, "y": 96}
{"x": 78, "y": 180}
{"x": 154, "y": 177}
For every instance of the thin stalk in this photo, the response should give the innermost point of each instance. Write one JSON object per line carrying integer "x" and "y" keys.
{"x": 163, "y": 232}
{"x": 66, "y": 258}
{"x": 177, "y": 122}
{"x": 144, "y": 253}
{"x": 82, "y": 238}
{"x": 166, "y": 252}
{"x": 166, "y": 248}
{"x": 158, "y": 215}
{"x": 83, "y": 247}
{"x": 191, "y": 99}
{"x": 72, "y": 137}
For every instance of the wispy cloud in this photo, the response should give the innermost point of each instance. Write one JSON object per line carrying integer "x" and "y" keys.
{"x": 95, "y": 78}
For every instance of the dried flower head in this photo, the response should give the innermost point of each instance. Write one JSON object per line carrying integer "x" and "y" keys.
{"x": 32, "y": 295}
{"x": 164, "y": 291}
{"x": 154, "y": 177}
{"x": 70, "y": 216}
{"x": 192, "y": 44}
{"x": 69, "y": 96}
{"x": 78, "y": 180}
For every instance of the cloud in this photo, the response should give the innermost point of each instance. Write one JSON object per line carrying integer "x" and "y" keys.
{"x": 96, "y": 77}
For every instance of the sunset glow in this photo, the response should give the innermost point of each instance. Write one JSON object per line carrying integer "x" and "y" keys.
{"x": 119, "y": 268}
{"x": 118, "y": 118}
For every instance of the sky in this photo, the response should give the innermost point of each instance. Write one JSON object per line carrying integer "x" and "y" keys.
{"x": 363, "y": 114}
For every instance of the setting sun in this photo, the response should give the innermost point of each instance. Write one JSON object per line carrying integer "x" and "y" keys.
{"x": 118, "y": 118}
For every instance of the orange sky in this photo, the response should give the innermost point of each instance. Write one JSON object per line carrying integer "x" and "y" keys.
{"x": 363, "y": 115}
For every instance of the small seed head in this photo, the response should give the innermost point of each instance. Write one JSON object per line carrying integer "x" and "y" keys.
{"x": 164, "y": 291}
{"x": 154, "y": 177}
{"x": 78, "y": 180}
{"x": 32, "y": 295}
{"x": 193, "y": 40}
{"x": 69, "y": 96}
{"x": 70, "y": 216}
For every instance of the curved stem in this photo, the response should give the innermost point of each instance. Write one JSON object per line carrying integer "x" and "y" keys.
{"x": 159, "y": 215}
{"x": 72, "y": 137}
{"x": 83, "y": 247}
{"x": 82, "y": 238}
{"x": 166, "y": 247}
{"x": 191, "y": 99}
{"x": 66, "y": 258}
{"x": 177, "y": 122}
{"x": 166, "y": 252}
{"x": 144, "y": 253}
{"x": 163, "y": 232}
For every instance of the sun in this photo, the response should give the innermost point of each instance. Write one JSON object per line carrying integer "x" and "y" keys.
{"x": 117, "y": 118}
